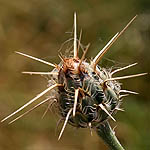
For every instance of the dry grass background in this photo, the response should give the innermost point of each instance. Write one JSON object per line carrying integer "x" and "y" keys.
{"x": 38, "y": 27}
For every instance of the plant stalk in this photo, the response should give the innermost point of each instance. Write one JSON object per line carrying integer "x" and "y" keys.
{"x": 107, "y": 134}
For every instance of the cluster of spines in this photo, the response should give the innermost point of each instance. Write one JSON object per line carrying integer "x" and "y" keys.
{"x": 93, "y": 65}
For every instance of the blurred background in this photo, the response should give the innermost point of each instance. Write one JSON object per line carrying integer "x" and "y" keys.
{"x": 38, "y": 28}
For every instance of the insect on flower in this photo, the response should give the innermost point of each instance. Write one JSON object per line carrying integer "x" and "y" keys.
{"x": 86, "y": 94}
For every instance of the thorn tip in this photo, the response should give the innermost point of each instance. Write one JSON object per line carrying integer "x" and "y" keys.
{"x": 75, "y": 36}
{"x": 37, "y": 59}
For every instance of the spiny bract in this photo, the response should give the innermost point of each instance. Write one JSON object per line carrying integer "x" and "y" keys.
{"x": 86, "y": 94}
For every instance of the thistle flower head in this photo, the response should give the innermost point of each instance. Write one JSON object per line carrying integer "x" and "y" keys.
{"x": 86, "y": 94}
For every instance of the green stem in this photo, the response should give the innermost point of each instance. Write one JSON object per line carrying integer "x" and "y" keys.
{"x": 107, "y": 134}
